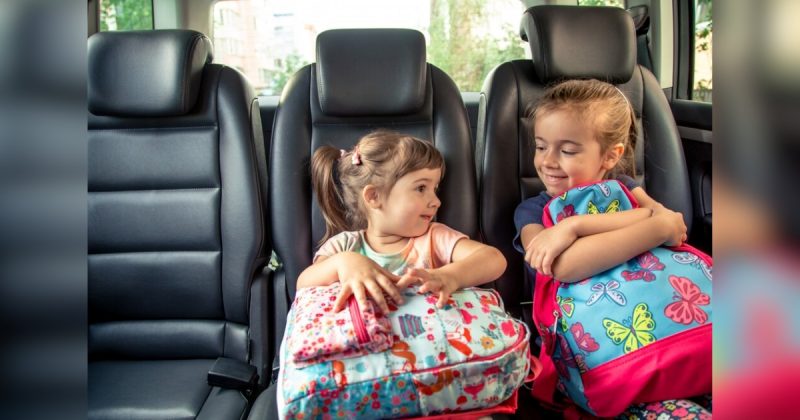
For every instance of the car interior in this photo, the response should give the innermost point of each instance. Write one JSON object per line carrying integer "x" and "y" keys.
{"x": 201, "y": 214}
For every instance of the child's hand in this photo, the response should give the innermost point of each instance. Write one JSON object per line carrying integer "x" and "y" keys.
{"x": 433, "y": 281}
{"x": 675, "y": 226}
{"x": 358, "y": 276}
{"x": 546, "y": 246}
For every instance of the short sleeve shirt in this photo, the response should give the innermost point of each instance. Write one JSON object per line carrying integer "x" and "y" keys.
{"x": 433, "y": 249}
{"x": 531, "y": 210}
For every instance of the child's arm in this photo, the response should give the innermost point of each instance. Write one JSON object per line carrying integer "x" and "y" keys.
{"x": 473, "y": 264}
{"x": 593, "y": 254}
{"x": 358, "y": 275}
{"x": 544, "y": 246}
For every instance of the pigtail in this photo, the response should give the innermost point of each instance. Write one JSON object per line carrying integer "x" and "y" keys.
{"x": 324, "y": 174}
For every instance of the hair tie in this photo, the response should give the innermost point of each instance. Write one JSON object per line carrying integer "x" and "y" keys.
{"x": 342, "y": 152}
{"x": 356, "y": 158}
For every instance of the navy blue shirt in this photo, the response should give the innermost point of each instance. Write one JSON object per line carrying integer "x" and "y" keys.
{"x": 532, "y": 209}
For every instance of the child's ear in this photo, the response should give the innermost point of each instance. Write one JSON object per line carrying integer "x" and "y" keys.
{"x": 613, "y": 155}
{"x": 371, "y": 196}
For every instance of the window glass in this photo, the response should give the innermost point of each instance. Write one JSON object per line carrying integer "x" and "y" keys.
{"x": 701, "y": 90}
{"x": 126, "y": 15}
{"x": 271, "y": 39}
{"x": 613, "y": 3}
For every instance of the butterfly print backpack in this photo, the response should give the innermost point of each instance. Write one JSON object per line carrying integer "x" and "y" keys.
{"x": 638, "y": 332}
{"x": 468, "y": 357}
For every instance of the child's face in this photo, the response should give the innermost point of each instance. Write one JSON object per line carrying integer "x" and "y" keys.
{"x": 411, "y": 204}
{"x": 567, "y": 153}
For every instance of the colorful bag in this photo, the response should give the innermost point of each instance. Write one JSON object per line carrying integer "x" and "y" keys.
{"x": 468, "y": 355}
{"x": 638, "y": 332}
{"x": 326, "y": 335}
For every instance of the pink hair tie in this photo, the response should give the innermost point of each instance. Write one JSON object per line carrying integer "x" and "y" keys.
{"x": 356, "y": 158}
{"x": 342, "y": 152}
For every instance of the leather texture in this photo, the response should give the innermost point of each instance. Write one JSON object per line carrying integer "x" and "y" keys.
{"x": 371, "y": 71}
{"x": 173, "y": 389}
{"x": 301, "y": 126}
{"x": 581, "y": 42}
{"x": 146, "y": 74}
{"x": 176, "y": 231}
{"x": 504, "y": 142}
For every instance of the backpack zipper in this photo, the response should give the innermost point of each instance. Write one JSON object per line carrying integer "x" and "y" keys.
{"x": 358, "y": 322}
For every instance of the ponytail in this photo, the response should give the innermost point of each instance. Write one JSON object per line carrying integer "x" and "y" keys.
{"x": 324, "y": 170}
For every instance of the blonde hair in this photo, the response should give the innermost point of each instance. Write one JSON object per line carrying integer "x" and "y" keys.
{"x": 601, "y": 105}
{"x": 380, "y": 159}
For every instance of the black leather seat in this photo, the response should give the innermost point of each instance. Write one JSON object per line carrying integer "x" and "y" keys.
{"x": 363, "y": 79}
{"x": 567, "y": 42}
{"x": 176, "y": 227}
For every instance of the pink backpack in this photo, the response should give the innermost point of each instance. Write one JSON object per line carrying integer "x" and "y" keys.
{"x": 469, "y": 357}
{"x": 639, "y": 332}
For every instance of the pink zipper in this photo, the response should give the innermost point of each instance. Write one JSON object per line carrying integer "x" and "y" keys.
{"x": 358, "y": 322}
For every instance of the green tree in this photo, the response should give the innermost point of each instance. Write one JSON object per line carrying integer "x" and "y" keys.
{"x": 289, "y": 67}
{"x": 460, "y": 43}
{"x": 614, "y": 3}
{"x": 125, "y": 15}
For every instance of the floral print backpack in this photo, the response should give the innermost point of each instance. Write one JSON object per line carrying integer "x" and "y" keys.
{"x": 638, "y": 332}
{"x": 417, "y": 360}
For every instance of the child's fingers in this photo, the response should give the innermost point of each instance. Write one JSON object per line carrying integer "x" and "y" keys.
{"x": 547, "y": 263}
{"x": 389, "y": 275}
{"x": 407, "y": 280}
{"x": 341, "y": 299}
{"x": 443, "y": 296}
{"x": 361, "y": 296}
{"x": 377, "y": 295}
{"x": 390, "y": 288}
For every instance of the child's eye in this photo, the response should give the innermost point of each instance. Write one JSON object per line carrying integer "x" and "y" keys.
{"x": 540, "y": 148}
{"x": 569, "y": 152}
{"x": 421, "y": 188}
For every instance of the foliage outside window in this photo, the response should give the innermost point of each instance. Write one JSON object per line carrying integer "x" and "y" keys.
{"x": 126, "y": 15}
{"x": 612, "y": 3}
{"x": 701, "y": 91}
{"x": 465, "y": 38}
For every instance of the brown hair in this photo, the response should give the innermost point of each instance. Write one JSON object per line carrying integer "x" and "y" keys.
{"x": 385, "y": 157}
{"x": 604, "y": 107}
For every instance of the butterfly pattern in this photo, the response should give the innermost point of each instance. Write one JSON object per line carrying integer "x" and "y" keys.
{"x": 567, "y": 306}
{"x": 608, "y": 290}
{"x": 688, "y": 258}
{"x": 689, "y": 299}
{"x": 568, "y": 211}
{"x": 635, "y": 333}
{"x": 647, "y": 264}
{"x": 584, "y": 340}
{"x": 674, "y": 296}
{"x": 593, "y": 209}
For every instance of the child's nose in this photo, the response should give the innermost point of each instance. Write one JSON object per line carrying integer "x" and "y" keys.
{"x": 549, "y": 159}
{"x": 436, "y": 202}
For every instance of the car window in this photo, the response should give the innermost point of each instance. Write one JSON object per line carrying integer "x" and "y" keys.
{"x": 613, "y": 3}
{"x": 270, "y": 40}
{"x": 126, "y": 15}
{"x": 702, "y": 77}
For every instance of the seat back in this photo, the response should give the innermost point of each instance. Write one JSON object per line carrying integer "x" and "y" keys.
{"x": 364, "y": 79}
{"x": 176, "y": 218}
{"x": 567, "y": 42}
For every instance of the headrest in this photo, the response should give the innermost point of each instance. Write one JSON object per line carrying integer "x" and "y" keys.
{"x": 146, "y": 73}
{"x": 575, "y": 42}
{"x": 371, "y": 71}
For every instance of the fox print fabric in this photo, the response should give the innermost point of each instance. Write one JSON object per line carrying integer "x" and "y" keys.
{"x": 468, "y": 355}
{"x": 638, "y": 332}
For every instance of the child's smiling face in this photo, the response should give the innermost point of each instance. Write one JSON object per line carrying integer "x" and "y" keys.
{"x": 411, "y": 204}
{"x": 567, "y": 152}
